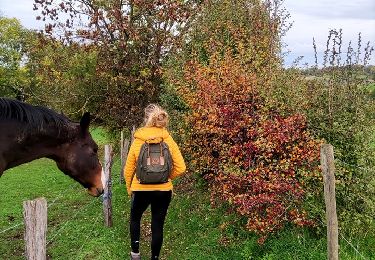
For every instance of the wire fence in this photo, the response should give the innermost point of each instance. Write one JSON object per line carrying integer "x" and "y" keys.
{"x": 12, "y": 227}
{"x": 347, "y": 241}
{"x": 64, "y": 225}
{"x": 82, "y": 210}
{"x": 88, "y": 235}
{"x": 324, "y": 224}
{"x": 62, "y": 193}
{"x": 50, "y": 204}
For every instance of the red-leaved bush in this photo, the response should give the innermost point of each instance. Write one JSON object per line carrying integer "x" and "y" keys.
{"x": 253, "y": 158}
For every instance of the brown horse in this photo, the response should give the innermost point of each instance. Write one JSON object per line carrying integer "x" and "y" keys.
{"x": 30, "y": 132}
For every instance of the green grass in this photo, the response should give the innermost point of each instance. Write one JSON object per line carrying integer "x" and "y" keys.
{"x": 100, "y": 136}
{"x": 193, "y": 229}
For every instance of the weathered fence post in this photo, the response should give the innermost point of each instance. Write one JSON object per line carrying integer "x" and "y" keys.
{"x": 124, "y": 155}
{"x": 107, "y": 196}
{"x": 125, "y": 151}
{"x": 122, "y": 147}
{"x": 132, "y": 135}
{"x": 35, "y": 219}
{"x": 328, "y": 168}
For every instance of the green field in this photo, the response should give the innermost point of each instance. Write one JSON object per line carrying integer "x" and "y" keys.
{"x": 193, "y": 229}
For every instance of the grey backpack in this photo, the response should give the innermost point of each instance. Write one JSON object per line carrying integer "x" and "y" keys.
{"x": 154, "y": 163}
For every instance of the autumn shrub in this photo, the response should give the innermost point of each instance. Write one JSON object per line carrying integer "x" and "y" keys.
{"x": 249, "y": 29}
{"x": 254, "y": 156}
{"x": 254, "y": 159}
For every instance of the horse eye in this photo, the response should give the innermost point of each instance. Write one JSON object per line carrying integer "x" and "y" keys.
{"x": 96, "y": 149}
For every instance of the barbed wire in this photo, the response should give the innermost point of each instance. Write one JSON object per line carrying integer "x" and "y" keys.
{"x": 87, "y": 237}
{"x": 68, "y": 221}
{"x": 10, "y": 228}
{"x": 49, "y": 205}
{"x": 62, "y": 193}
{"x": 348, "y": 242}
{"x": 355, "y": 249}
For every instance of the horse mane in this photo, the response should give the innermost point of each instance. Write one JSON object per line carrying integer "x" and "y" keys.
{"x": 37, "y": 118}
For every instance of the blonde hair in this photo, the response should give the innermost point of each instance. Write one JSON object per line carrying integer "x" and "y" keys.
{"x": 155, "y": 116}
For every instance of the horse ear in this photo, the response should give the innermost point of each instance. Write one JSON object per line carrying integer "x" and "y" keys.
{"x": 85, "y": 121}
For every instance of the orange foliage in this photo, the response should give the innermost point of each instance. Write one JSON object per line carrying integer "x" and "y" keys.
{"x": 253, "y": 158}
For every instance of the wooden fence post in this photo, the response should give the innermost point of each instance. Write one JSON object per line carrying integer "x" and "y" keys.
{"x": 35, "y": 219}
{"x": 107, "y": 196}
{"x": 132, "y": 135}
{"x": 124, "y": 155}
{"x": 122, "y": 147}
{"x": 328, "y": 168}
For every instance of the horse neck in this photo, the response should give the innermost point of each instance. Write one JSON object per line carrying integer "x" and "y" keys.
{"x": 32, "y": 147}
{"x": 49, "y": 147}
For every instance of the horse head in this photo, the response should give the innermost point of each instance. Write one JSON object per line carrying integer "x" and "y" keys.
{"x": 78, "y": 158}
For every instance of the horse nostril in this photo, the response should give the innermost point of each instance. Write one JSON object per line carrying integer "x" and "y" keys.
{"x": 100, "y": 191}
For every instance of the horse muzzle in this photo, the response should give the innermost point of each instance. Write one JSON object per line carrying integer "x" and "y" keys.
{"x": 103, "y": 179}
{"x": 95, "y": 192}
{"x": 98, "y": 189}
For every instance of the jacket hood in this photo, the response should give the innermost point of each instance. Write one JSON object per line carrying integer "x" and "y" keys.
{"x": 151, "y": 134}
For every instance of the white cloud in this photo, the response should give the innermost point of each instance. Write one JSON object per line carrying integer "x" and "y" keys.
{"x": 23, "y": 11}
{"x": 334, "y": 9}
{"x": 316, "y": 18}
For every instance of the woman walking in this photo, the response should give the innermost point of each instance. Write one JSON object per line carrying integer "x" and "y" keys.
{"x": 155, "y": 192}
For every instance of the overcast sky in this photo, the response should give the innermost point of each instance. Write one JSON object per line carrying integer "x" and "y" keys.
{"x": 312, "y": 18}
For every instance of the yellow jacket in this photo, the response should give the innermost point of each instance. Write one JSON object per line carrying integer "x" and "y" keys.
{"x": 156, "y": 134}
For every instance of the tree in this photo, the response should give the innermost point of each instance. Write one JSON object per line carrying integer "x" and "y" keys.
{"x": 64, "y": 76}
{"x": 14, "y": 41}
{"x": 131, "y": 38}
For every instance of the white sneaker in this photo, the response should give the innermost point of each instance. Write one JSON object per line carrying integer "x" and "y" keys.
{"x": 135, "y": 256}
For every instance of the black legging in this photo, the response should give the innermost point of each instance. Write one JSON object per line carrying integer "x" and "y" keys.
{"x": 159, "y": 201}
